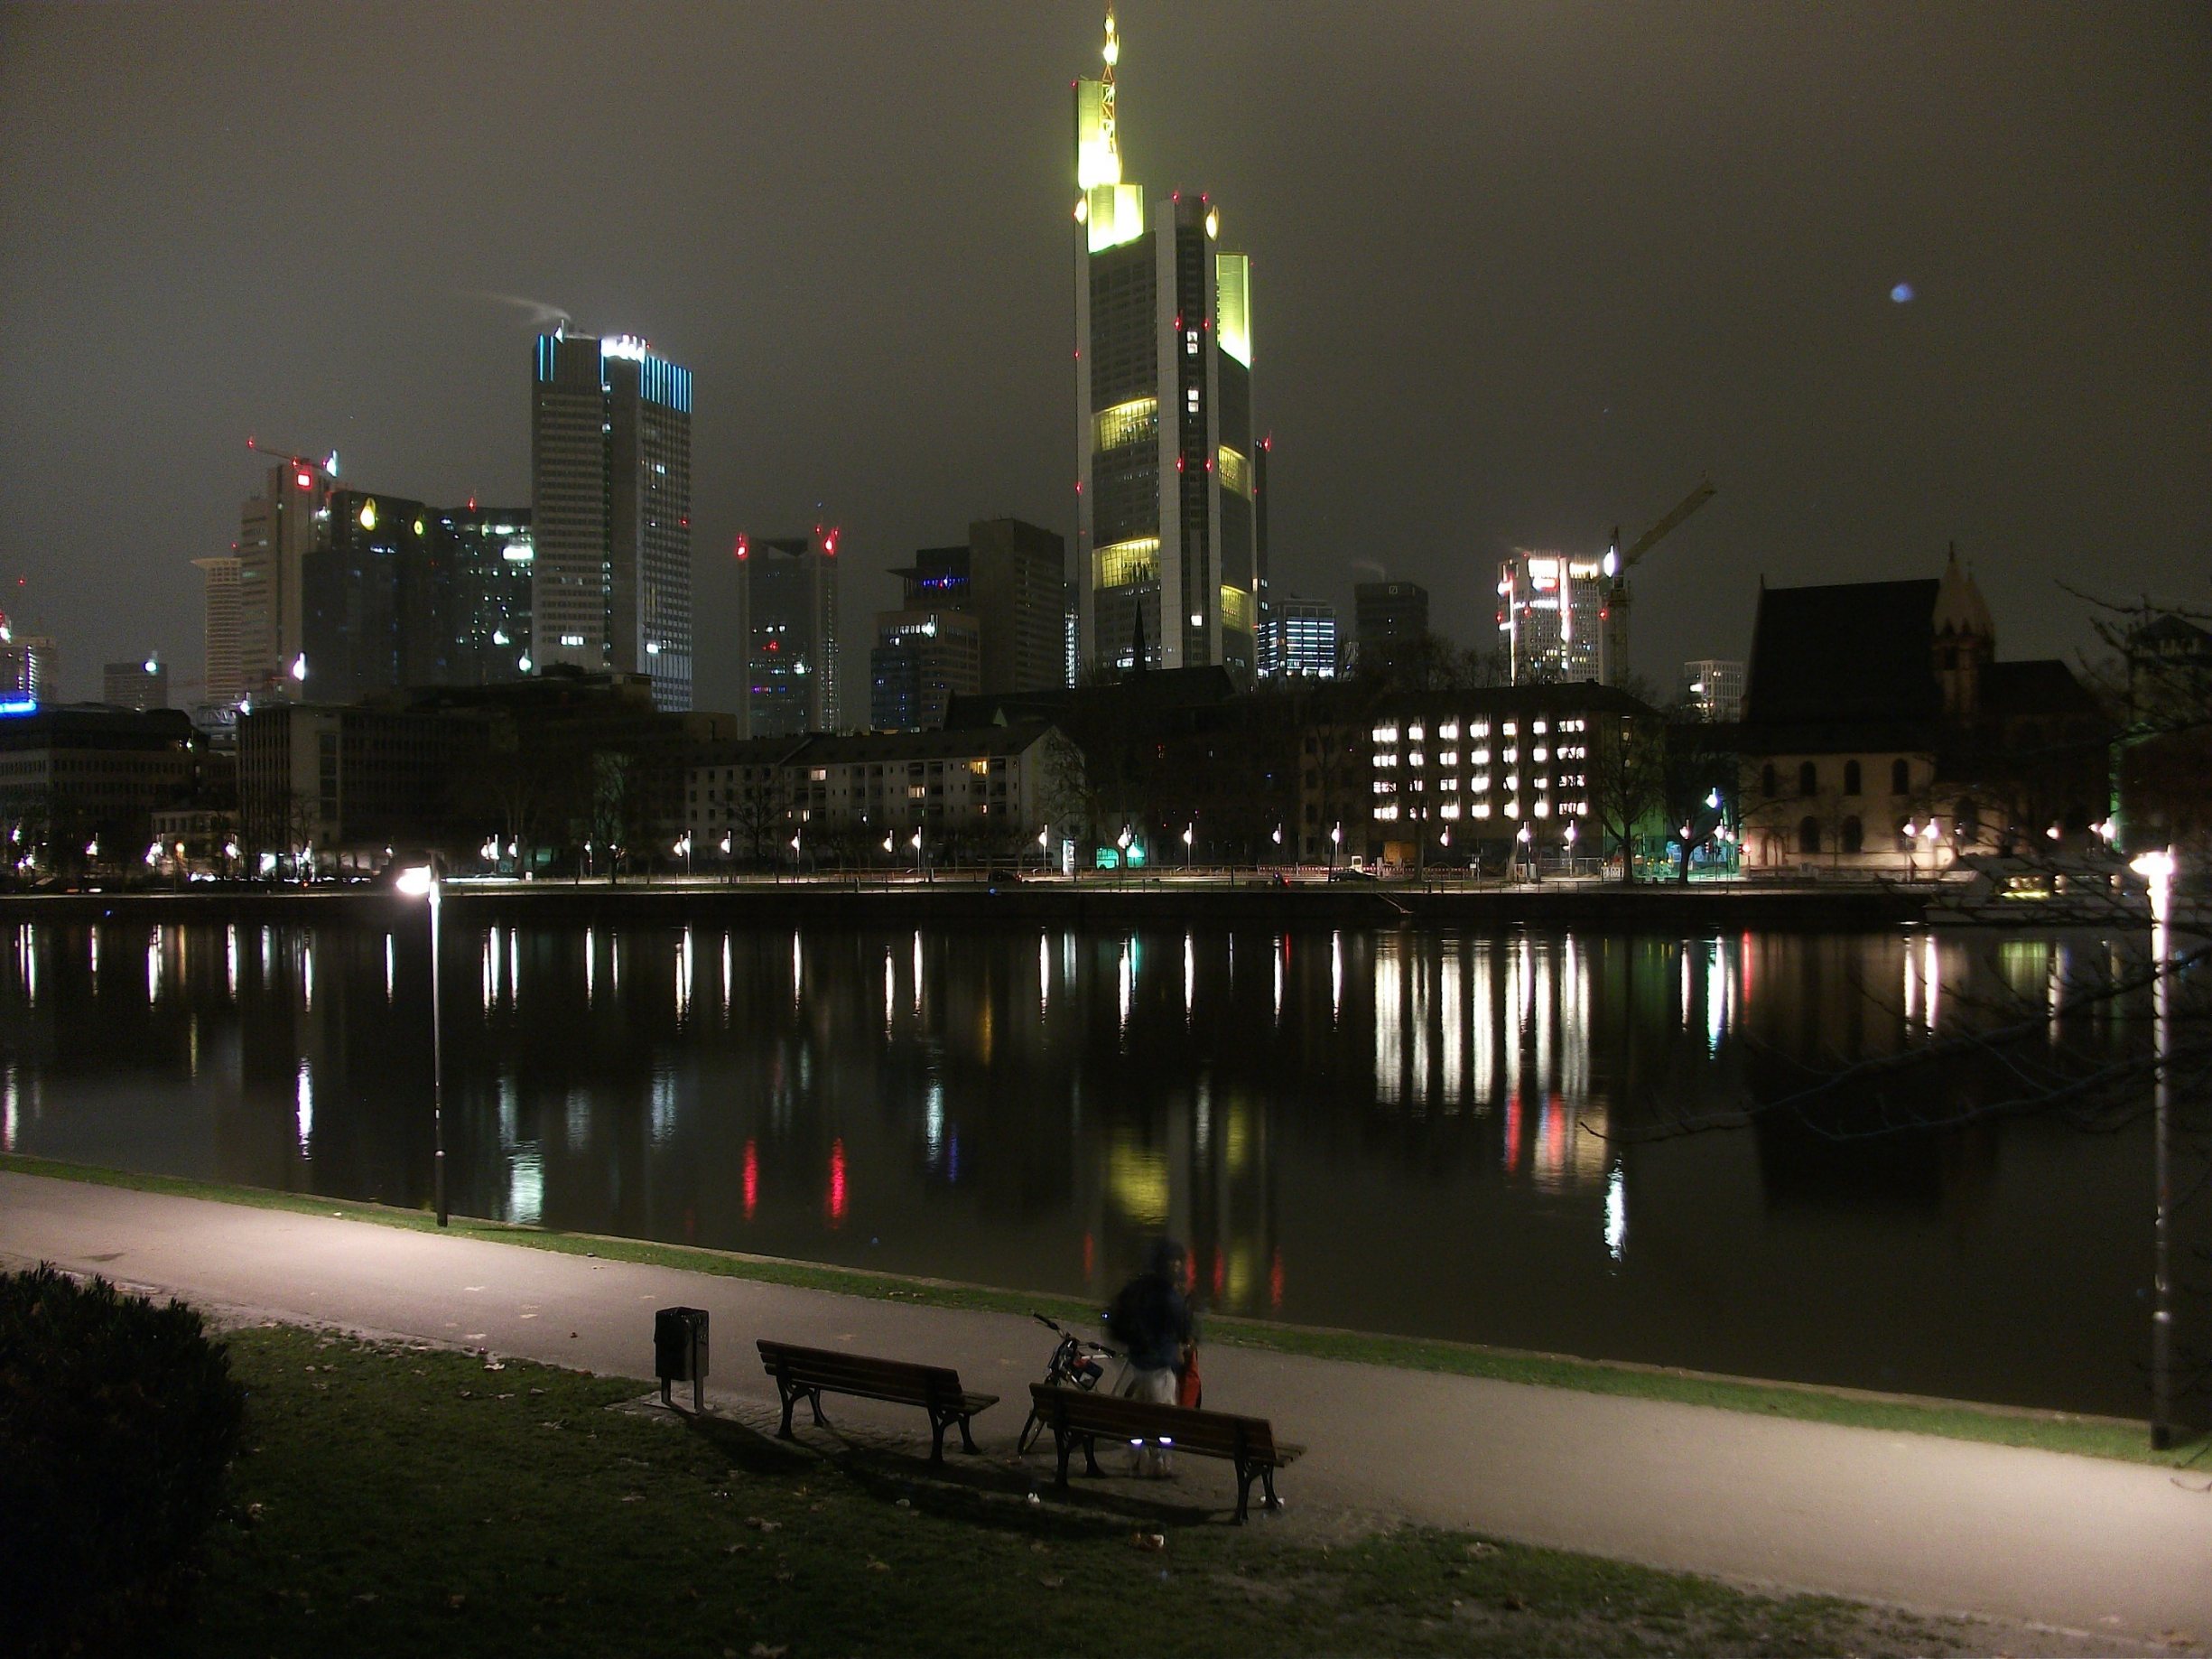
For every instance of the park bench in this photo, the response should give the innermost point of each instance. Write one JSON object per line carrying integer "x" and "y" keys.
{"x": 810, "y": 1373}
{"x": 1077, "y": 1417}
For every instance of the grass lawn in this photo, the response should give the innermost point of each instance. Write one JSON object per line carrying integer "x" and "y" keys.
{"x": 402, "y": 1500}
{"x": 2095, "y": 1437}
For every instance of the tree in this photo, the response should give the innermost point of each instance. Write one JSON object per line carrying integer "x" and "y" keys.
{"x": 1628, "y": 782}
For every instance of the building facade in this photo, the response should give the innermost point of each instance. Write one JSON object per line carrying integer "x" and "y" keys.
{"x": 142, "y": 685}
{"x": 371, "y": 608}
{"x": 863, "y": 801}
{"x": 80, "y": 785}
{"x": 787, "y": 627}
{"x": 1298, "y": 640}
{"x": 922, "y": 659}
{"x": 1165, "y": 545}
{"x": 1712, "y": 688}
{"x": 1389, "y": 619}
{"x": 1552, "y": 617}
{"x": 486, "y": 558}
{"x": 1882, "y": 734}
{"x": 1018, "y": 592}
{"x": 30, "y": 666}
{"x": 611, "y": 466}
{"x": 1510, "y": 773}
{"x": 277, "y": 530}
{"x": 223, "y": 673}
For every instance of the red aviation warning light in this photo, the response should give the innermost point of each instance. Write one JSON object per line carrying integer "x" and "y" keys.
{"x": 745, "y": 547}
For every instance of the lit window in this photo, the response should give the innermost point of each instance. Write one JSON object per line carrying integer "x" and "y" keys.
{"x": 1416, "y": 758}
{"x": 1543, "y": 808}
{"x": 1542, "y": 755}
{"x": 1383, "y": 786}
{"x": 1480, "y": 729}
{"x": 1481, "y": 757}
{"x": 1511, "y": 754}
{"x": 1190, "y": 399}
{"x": 1512, "y": 809}
{"x": 1385, "y": 734}
{"x": 1482, "y": 809}
{"x": 1450, "y": 756}
{"x": 1449, "y": 730}
{"x": 1480, "y": 785}
{"x": 1413, "y": 734}
{"x": 1386, "y": 813}
{"x": 1508, "y": 728}
{"x": 1512, "y": 780}
{"x": 1190, "y": 345}
{"x": 1449, "y": 785}
{"x": 1538, "y": 727}
{"x": 1450, "y": 810}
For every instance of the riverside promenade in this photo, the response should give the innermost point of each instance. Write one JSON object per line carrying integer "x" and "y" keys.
{"x": 2115, "y": 1551}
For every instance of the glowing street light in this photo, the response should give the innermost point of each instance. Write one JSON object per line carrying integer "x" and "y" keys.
{"x": 2157, "y": 869}
{"x": 420, "y": 881}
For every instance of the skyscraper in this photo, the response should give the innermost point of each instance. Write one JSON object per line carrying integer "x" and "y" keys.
{"x": 1017, "y": 590}
{"x": 30, "y": 666}
{"x": 610, "y": 468}
{"x": 486, "y": 556}
{"x": 1299, "y": 640}
{"x": 1389, "y": 619}
{"x": 787, "y": 624}
{"x": 1552, "y": 617}
{"x": 1164, "y": 548}
{"x": 223, "y": 673}
{"x": 371, "y": 608}
{"x": 141, "y": 685}
{"x": 276, "y": 532}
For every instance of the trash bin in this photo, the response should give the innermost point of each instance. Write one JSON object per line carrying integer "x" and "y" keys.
{"x": 680, "y": 1352}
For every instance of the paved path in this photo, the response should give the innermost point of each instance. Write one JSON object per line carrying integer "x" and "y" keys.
{"x": 2117, "y": 1550}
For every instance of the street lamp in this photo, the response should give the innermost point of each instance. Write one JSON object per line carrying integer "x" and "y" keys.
{"x": 1529, "y": 841}
{"x": 921, "y": 853}
{"x": 1570, "y": 847}
{"x": 420, "y": 881}
{"x": 1187, "y": 828}
{"x": 1044, "y": 849}
{"x": 683, "y": 845}
{"x": 1336, "y": 840}
{"x": 2157, "y": 869}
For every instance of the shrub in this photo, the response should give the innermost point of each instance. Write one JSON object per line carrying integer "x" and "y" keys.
{"x": 118, "y": 1420}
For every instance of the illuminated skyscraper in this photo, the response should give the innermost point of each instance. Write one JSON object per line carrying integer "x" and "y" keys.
{"x": 1553, "y": 621}
{"x": 787, "y": 621}
{"x": 1165, "y": 547}
{"x": 225, "y": 677}
{"x": 610, "y": 469}
{"x": 277, "y": 530}
{"x": 1298, "y": 640}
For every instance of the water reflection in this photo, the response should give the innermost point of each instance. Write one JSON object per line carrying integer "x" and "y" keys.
{"x": 1435, "y": 1134}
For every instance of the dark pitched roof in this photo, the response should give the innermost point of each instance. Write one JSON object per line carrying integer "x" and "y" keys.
{"x": 1550, "y": 697}
{"x": 1149, "y": 692}
{"x": 1852, "y": 651}
{"x": 2043, "y": 686}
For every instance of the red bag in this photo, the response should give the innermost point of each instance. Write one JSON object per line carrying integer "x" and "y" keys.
{"x": 1190, "y": 1387}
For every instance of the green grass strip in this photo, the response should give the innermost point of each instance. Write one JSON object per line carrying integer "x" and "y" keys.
{"x": 2088, "y": 1436}
{"x": 399, "y": 1500}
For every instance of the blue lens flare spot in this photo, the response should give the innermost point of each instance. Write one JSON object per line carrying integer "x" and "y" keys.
{"x": 1903, "y": 294}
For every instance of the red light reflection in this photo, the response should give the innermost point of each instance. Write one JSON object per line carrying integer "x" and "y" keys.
{"x": 1274, "y": 1282}
{"x": 752, "y": 1179}
{"x": 837, "y": 1183}
{"x": 1512, "y": 1132}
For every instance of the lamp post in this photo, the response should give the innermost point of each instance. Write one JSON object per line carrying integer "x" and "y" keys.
{"x": 1278, "y": 843}
{"x": 1527, "y": 841}
{"x": 1188, "y": 830}
{"x": 2157, "y": 869}
{"x": 1122, "y": 864}
{"x": 422, "y": 883}
{"x": 683, "y": 846}
{"x": 1336, "y": 840}
{"x": 921, "y": 853}
{"x": 1570, "y": 847}
{"x": 795, "y": 853}
{"x": 1044, "y": 849}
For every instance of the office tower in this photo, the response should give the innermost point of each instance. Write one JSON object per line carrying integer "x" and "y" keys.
{"x": 30, "y": 666}
{"x": 1018, "y": 590}
{"x": 1552, "y": 618}
{"x": 1263, "y": 598}
{"x": 142, "y": 685}
{"x": 276, "y": 532}
{"x": 223, "y": 672}
{"x": 1390, "y": 620}
{"x": 370, "y": 606}
{"x": 1165, "y": 550}
{"x": 485, "y": 557}
{"x": 922, "y": 658}
{"x": 787, "y": 624}
{"x": 1712, "y": 689}
{"x": 610, "y": 469}
{"x": 1300, "y": 640}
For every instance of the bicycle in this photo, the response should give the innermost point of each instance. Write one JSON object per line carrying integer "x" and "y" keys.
{"x": 1077, "y": 1362}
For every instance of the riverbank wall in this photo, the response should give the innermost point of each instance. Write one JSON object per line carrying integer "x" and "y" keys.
{"x": 1589, "y": 908}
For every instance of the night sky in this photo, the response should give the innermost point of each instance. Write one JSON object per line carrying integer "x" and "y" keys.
{"x": 1522, "y": 273}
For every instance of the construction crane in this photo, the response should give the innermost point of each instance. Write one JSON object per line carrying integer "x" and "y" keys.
{"x": 1617, "y": 565}
{"x": 328, "y": 466}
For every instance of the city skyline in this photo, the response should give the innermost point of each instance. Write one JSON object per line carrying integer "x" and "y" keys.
{"x": 1616, "y": 253}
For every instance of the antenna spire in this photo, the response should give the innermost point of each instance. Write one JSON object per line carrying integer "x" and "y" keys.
{"x": 1106, "y": 87}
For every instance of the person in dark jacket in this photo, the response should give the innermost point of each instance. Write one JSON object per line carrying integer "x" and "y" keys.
{"x": 1152, "y": 1321}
